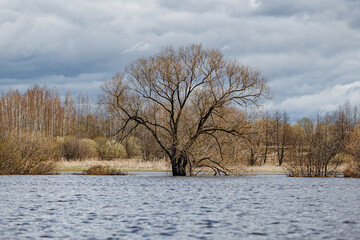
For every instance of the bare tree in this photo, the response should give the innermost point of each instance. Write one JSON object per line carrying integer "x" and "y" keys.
{"x": 281, "y": 134}
{"x": 315, "y": 149}
{"x": 181, "y": 96}
{"x": 353, "y": 148}
{"x": 255, "y": 142}
{"x": 266, "y": 135}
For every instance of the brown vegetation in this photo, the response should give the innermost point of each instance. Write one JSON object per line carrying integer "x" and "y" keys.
{"x": 353, "y": 148}
{"x": 319, "y": 147}
{"x": 75, "y": 148}
{"x": 183, "y": 97}
{"x": 109, "y": 149}
{"x": 101, "y": 170}
{"x": 123, "y": 164}
{"x": 27, "y": 154}
{"x": 40, "y": 110}
{"x": 189, "y": 108}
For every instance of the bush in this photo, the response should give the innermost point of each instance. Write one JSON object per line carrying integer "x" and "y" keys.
{"x": 70, "y": 148}
{"x": 74, "y": 148}
{"x": 27, "y": 154}
{"x": 87, "y": 148}
{"x": 316, "y": 153}
{"x": 107, "y": 149}
{"x": 132, "y": 147}
{"x": 353, "y": 171}
{"x": 353, "y": 148}
{"x": 101, "y": 170}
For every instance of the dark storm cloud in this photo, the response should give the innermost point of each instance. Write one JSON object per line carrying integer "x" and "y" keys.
{"x": 309, "y": 50}
{"x": 280, "y": 8}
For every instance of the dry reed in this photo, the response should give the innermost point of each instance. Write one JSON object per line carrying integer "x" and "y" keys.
{"x": 123, "y": 164}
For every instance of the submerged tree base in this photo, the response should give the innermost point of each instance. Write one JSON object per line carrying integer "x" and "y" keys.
{"x": 178, "y": 170}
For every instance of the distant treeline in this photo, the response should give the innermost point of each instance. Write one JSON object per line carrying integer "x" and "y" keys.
{"x": 41, "y": 110}
{"x": 38, "y": 127}
{"x": 79, "y": 129}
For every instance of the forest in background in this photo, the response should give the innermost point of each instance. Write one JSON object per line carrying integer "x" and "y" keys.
{"x": 39, "y": 125}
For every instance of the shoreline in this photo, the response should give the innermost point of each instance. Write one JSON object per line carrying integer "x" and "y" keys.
{"x": 137, "y": 165}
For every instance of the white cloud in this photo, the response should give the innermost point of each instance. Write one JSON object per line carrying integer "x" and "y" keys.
{"x": 326, "y": 100}
{"x": 254, "y": 4}
{"x": 225, "y": 47}
{"x": 140, "y": 47}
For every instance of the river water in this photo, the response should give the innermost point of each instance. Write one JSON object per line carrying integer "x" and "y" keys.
{"x": 156, "y": 206}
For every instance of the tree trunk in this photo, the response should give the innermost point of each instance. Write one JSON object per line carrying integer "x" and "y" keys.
{"x": 178, "y": 164}
{"x": 266, "y": 152}
{"x": 281, "y": 157}
{"x": 252, "y": 159}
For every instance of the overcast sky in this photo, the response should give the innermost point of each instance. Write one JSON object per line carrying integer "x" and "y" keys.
{"x": 309, "y": 49}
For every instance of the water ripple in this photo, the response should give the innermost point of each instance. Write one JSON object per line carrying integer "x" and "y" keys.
{"x": 153, "y": 207}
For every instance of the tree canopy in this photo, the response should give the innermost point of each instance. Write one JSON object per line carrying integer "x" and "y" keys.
{"x": 190, "y": 100}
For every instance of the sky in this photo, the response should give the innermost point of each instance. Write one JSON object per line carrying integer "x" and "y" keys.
{"x": 309, "y": 50}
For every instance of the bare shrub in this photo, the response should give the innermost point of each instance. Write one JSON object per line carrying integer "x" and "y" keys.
{"x": 255, "y": 149}
{"x": 315, "y": 151}
{"x": 108, "y": 149}
{"x": 70, "y": 148}
{"x": 75, "y": 148}
{"x": 102, "y": 170}
{"x": 87, "y": 149}
{"x": 353, "y": 170}
{"x": 27, "y": 154}
{"x": 353, "y": 148}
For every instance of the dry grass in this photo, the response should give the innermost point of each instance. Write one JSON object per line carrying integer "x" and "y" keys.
{"x": 161, "y": 165}
{"x": 270, "y": 168}
{"x": 121, "y": 164}
{"x": 352, "y": 170}
{"x": 131, "y": 165}
{"x": 266, "y": 168}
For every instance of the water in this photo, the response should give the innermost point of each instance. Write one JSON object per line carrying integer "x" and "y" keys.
{"x": 152, "y": 206}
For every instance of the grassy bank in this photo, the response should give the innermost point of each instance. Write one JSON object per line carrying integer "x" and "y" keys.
{"x": 137, "y": 165}
{"x": 125, "y": 165}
